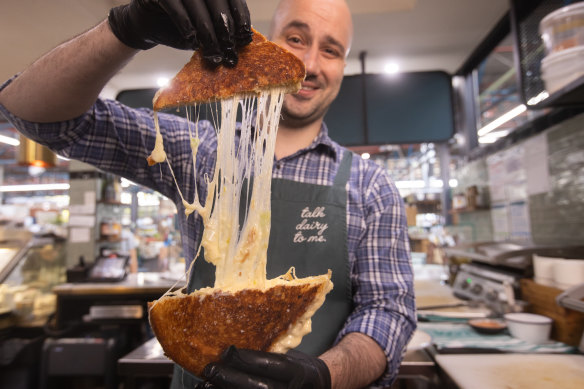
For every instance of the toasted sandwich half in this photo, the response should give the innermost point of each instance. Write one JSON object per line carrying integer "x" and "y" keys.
{"x": 261, "y": 65}
{"x": 194, "y": 329}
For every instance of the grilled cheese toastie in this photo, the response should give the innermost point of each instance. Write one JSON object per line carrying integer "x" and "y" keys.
{"x": 262, "y": 65}
{"x": 243, "y": 308}
{"x": 194, "y": 329}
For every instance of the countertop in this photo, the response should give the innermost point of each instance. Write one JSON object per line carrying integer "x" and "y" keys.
{"x": 432, "y": 293}
{"x": 146, "y": 360}
{"x": 514, "y": 371}
{"x": 149, "y": 360}
{"x": 134, "y": 283}
{"x": 548, "y": 366}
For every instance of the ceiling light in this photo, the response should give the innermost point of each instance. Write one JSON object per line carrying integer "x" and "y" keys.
{"x": 162, "y": 81}
{"x": 31, "y": 153}
{"x": 487, "y": 139}
{"x": 391, "y": 68}
{"x": 365, "y": 155}
{"x": 9, "y": 140}
{"x": 148, "y": 199}
{"x": 126, "y": 183}
{"x": 502, "y": 119}
{"x": 126, "y": 198}
{"x": 36, "y": 171}
{"x": 493, "y": 136}
{"x": 539, "y": 98}
{"x": 33, "y": 187}
{"x": 411, "y": 184}
{"x": 420, "y": 184}
{"x": 459, "y": 139}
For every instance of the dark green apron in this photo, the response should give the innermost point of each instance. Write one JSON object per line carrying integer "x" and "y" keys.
{"x": 308, "y": 231}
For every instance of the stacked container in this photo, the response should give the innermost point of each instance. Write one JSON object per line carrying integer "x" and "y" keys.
{"x": 562, "y": 32}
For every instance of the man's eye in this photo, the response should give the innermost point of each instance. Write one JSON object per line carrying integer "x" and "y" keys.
{"x": 294, "y": 39}
{"x": 332, "y": 53}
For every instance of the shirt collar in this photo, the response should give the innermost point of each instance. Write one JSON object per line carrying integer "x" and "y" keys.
{"x": 324, "y": 141}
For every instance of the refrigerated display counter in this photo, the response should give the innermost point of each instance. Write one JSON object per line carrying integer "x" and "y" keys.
{"x": 29, "y": 269}
{"x": 28, "y": 272}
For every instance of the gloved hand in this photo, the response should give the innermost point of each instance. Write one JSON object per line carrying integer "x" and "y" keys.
{"x": 247, "y": 369}
{"x": 217, "y": 27}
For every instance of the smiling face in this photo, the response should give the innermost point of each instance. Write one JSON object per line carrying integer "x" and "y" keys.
{"x": 319, "y": 33}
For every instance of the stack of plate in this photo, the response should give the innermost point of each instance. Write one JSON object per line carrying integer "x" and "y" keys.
{"x": 563, "y": 34}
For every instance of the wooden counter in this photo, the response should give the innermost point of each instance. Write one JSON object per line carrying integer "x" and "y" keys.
{"x": 547, "y": 371}
{"x": 75, "y": 300}
{"x": 135, "y": 283}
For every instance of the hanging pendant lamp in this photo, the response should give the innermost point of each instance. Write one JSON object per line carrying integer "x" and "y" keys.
{"x": 31, "y": 153}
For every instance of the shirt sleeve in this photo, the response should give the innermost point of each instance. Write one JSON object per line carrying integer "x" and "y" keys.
{"x": 118, "y": 139}
{"x": 382, "y": 277}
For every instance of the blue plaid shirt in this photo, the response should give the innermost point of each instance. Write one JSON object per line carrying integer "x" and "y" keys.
{"x": 117, "y": 139}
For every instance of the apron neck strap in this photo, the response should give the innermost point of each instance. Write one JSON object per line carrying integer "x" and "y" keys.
{"x": 344, "y": 171}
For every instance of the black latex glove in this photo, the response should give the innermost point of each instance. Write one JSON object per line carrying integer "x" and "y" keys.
{"x": 247, "y": 369}
{"x": 217, "y": 27}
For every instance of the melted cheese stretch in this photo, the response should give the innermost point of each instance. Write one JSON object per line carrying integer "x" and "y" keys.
{"x": 238, "y": 252}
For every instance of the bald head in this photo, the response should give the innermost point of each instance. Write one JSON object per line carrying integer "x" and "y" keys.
{"x": 319, "y": 32}
{"x": 335, "y": 12}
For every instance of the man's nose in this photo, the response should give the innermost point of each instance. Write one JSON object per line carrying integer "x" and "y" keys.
{"x": 312, "y": 60}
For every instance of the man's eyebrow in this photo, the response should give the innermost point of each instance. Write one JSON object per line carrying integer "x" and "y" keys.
{"x": 297, "y": 24}
{"x": 304, "y": 26}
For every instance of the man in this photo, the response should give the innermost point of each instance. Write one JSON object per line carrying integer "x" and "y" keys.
{"x": 360, "y": 340}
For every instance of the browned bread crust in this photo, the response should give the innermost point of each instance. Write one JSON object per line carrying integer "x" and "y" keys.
{"x": 195, "y": 329}
{"x": 262, "y": 65}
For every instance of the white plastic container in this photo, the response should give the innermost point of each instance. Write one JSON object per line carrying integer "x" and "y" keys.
{"x": 568, "y": 273}
{"x": 563, "y": 28}
{"x": 561, "y": 68}
{"x": 529, "y": 327}
{"x": 420, "y": 340}
{"x": 543, "y": 269}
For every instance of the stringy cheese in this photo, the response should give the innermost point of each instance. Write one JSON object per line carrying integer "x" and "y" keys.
{"x": 238, "y": 252}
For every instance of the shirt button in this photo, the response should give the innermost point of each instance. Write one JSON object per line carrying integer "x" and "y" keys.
{"x": 278, "y": 166}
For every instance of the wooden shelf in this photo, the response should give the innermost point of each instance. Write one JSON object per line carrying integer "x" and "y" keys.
{"x": 469, "y": 210}
{"x": 115, "y": 203}
{"x": 101, "y": 241}
{"x": 526, "y": 17}
{"x": 570, "y": 95}
{"x": 427, "y": 206}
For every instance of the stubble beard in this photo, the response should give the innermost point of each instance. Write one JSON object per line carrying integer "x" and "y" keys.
{"x": 297, "y": 118}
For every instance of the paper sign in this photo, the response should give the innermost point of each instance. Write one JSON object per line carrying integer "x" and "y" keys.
{"x": 79, "y": 235}
{"x": 89, "y": 201}
{"x": 536, "y": 165}
{"x": 81, "y": 221}
{"x": 88, "y": 206}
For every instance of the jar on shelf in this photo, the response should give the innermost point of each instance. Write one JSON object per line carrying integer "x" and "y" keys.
{"x": 110, "y": 230}
{"x": 111, "y": 189}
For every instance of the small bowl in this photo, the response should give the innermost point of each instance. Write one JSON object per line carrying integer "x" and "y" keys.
{"x": 487, "y": 326}
{"x": 420, "y": 340}
{"x": 529, "y": 327}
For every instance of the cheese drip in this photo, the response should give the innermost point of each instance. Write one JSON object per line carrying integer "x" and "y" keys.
{"x": 239, "y": 252}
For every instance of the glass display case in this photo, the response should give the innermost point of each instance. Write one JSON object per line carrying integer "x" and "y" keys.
{"x": 28, "y": 272}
